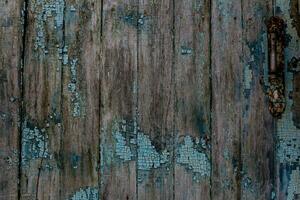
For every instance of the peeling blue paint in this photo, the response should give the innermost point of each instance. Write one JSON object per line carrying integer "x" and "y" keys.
{"x": 247, "y": 184}
{"x": 148, "y": 157}
{"x": 248, "y": 76}
{"x": 193, "y": 159}
{"x": 131, "y": 145}
{"x": 34, "y": 143}
{"x": 88, "y": 193}
{"x": 294, "y": 184}
{"x": 63, "y": 54}
{"x": 122, "y": 150}
{"x": 256, "y": 63}
{"x": 186, "y": 50}
{"x": 134, "y": 19}
{"x": 76, "y": 100}
{"x": 288, "y": 149}
{"x": 75, "y": 160}
{"x": 43, "y": 11}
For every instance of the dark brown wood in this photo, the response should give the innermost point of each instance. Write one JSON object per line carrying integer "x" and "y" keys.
{"x": 155, "y": 88}
{"x": 118, "y": 100}
{"x": 192, "y": 94}
{"x": 10, "y": 96}
{"x": 81, "y": 99}
{"x": 41, "y": 123}
{"x": 227, "y": 77}
{"x": 146, "y": 99}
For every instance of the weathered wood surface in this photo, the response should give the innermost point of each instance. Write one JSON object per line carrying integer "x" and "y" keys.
{"x": 193, "y": 95}
{"x": 155, "y": 107}
{"x": 79, "y": 152}
{"x": 258, "y": 127}
{"x": 227, "y": 104}
{"x": 118, "y": 100}
{"x": 41, "y": 111}
{"x": 10, "y": 96}
{"x": 145, "y": 99}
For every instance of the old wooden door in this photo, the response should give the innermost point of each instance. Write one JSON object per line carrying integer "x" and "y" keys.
{"x": 145, "y": 99}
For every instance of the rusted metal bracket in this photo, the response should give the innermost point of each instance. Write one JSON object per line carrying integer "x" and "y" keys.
{"x": 276, "y": 93}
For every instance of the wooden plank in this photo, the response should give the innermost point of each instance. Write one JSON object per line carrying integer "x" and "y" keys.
{"x": 258, "y": 134}
{"x": 288, "y": 137}
{"x": 41, "y": 126}
{"x": 227, "y": 79}
{"x": 192, "y": 93}
{"x": 10, "y": 96}
{"x": 118, "y": 100}
{"x": 81, "y": 100}
{"x": 155, "y": 137}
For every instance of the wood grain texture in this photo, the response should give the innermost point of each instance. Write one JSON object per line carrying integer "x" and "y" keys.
{"x": 10, "y": 96}
{"x": 155, "y": 100}
{"x": 227, "y": 80}
{"x": 258, "y": 134}
{"x": 41, "y": 130}
{"x": 192, "y": 93}
{"x": 81, "y": 98}
{"x": 145, "y": 99}
{"x": 118, "y": 99}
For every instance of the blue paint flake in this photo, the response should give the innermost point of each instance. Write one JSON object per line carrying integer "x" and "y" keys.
{"x": 186, "y": 50}
{"x": 248, "y": 76}
{"x": 86, "y": 194}
{"x": 73, "y": 89}
{"x": 134, "y": 19}
{"x": 294, "y": 184}
{"x": 288, "y": 150}
{"x": 75, "y": 160}
{"x": 148, "y": 157}
{"x": 34, "y": 143}
{"x": 132, "y": 144}
{"x": 43, "y": 10}
{"x": 192, "y": 158}
{"x": 122, "y": 150}
{"x": 289, "y": 138}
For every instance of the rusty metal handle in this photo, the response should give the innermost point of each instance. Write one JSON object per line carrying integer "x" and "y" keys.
{"x": 276, "y": 93}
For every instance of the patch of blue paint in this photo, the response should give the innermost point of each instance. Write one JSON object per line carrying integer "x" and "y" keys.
{"x": 186, "y": 50}
{"x": 288, "y": 151}
{"x": 44, "y": 10}
{"x": 248, "y": 76}
{"x": 122, "y": 150}
{"x": 75, "y": 161}
{"x": 88, "y": 193}
{"x": 34, "y": 143}
{"x": 134, "y": 18}
{"x": 193, "y": 159}
{"x": 148, "y": 157}
{"x": 73, "y": 89}
{"x": 247, "y": 184}
{"x": 256, "y": 63}
{"x": 273, "y": 195}
{"x": 294, "y": 184}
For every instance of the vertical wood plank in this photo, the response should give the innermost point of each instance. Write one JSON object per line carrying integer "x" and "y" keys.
{"x": 41, "y": 128}
{"x": 192, "y": 93}
{"x": 10, "y": 96}
{"x": 258, "y": 134}
{"x": 226, "y": 98}
{"x": 118, "y": 99}
{"x": 288, "y": 137}
{"x": 81, "y": 99}
{"x": 155, "y": 100}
